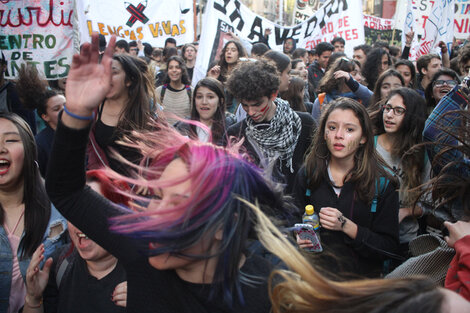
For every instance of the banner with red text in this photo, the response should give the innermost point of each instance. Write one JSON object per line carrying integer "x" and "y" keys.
{"x": 421, "y": 12}
{"x": 336, "y": 18}
{"x": 376, "y": 28}
{"x": 150, "y": 21}
{"x": 439, "y": 27}
{"x": 37, "y": 32}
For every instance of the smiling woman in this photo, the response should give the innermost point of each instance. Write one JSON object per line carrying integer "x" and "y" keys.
{"x": 175, "y": 93}
{"x": 27, "y": 218}
{"x": 441, "y": 83}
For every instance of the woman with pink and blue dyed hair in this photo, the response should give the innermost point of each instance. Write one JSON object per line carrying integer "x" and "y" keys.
{"x": 183, "y": 244}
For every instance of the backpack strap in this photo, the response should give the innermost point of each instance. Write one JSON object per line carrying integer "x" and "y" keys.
{"x": 162, "y": 92}
{"x": 383, "y": 185}
{"x": 375, "y": 141}
{"x": 61, "y": 271}
{"x": 188, "y": 90}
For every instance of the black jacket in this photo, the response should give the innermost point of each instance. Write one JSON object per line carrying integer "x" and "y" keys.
{"x": 377, "y": 232}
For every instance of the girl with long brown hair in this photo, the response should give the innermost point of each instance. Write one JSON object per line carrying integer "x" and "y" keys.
{"x": 127, "y": 107}
{"x": 399, "y": 126}
{"x": 354, "y": 194}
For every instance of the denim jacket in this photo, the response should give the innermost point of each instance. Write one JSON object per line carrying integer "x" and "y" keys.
{"x": 6, "y": 256}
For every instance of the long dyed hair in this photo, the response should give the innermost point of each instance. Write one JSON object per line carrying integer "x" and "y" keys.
{"x": 368, "y": 166}
{"x": 216, "y": 175}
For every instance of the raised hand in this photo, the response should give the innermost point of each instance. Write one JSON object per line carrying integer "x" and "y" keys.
{"x": 89, "y": 80}
{"x": 36, "y": 279}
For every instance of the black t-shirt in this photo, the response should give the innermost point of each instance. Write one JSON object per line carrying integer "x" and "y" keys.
{"x": 106, "y": 137}
{"x": 81, "y": 292}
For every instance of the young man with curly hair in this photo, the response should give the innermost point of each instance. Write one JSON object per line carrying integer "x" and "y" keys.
{"x": 274, "y": 134}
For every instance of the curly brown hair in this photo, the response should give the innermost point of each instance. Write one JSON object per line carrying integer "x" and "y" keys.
{"x": 251, "y": 81}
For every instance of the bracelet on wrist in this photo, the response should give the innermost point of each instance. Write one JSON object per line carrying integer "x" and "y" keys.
{"x": 26, "y": 302}
{"x": 79, "y": 117}
{"x": 342, "y": 220}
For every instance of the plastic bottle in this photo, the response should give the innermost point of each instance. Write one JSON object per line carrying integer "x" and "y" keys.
{"x": 311, "y": 217}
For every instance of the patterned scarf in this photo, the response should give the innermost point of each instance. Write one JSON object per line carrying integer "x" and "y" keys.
{"x": 278, "y": 141}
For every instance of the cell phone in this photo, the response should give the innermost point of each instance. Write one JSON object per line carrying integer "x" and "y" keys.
{"x": 306, "y": 232}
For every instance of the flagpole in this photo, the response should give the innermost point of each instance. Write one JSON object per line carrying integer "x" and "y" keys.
{"x": 195, "y": 20}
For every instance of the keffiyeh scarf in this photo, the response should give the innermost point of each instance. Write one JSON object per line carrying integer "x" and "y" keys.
{"x": 280, "y": 138}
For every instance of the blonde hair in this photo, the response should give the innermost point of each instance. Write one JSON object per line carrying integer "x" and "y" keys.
{"x": 304, "y": 289}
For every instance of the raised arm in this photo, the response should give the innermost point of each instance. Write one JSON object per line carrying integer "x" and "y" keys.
{"x": 87, "y": 85}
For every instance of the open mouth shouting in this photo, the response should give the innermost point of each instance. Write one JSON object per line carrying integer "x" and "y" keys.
{"x": 4, "y": 166}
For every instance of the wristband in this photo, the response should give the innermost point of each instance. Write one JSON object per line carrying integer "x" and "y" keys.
{"x": 32, "y": 306}
{"x": 78, "y": 117}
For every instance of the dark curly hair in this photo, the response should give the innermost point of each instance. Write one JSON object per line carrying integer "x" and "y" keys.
{"x": 184, "y": 71}
{"x": 372, "y": 65}
{"x": 253, "y": 80}
{"x": 34, "y": 91}
{"x": 223, "y": 63}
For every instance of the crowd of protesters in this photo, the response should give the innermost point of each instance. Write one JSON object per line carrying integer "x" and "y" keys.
{"x": 130, "y": 187}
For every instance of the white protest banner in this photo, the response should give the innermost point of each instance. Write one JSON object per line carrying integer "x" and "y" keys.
{"x": 336, "y": 18}
{"x": 439, "y": 27}
{"x": 305, "y": 8}
{"x": 421, "y": 10}
{"x": 37, "y": 32}
{"x": 145, "y": 20}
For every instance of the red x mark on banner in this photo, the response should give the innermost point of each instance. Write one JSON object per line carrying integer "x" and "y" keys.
{"x": 136, "y": 14}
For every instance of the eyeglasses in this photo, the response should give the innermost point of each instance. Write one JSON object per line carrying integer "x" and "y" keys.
{"x": 396, "y": 110}
{"x": 441, "y": 82}
{"x": 134, "y": 49}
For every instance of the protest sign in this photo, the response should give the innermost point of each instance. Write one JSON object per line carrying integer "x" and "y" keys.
{"x": 305, "y": 8}
{"x": 148, "y": 21}
{"x": 462, "y": 19}
{"x": 39, "y": 33}
{"x": 421, "y": 11}
{"x": 439, "y": 27}
{"x": 336, "y": 18}
{"x": 376, "y": 28}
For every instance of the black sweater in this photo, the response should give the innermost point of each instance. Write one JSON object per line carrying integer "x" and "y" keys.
{"x": 303, "y": 143}
{"x": 149, "y": 289}
{"x": 375, "y": 231}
